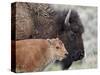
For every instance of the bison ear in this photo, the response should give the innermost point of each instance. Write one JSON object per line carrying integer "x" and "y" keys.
{"x": 67, "y": 18}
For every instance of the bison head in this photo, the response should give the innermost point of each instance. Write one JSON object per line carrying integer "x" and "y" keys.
{"x": 71, "y": 35}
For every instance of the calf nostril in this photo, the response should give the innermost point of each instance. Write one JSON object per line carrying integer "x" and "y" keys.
{"x": 66, "y": 54}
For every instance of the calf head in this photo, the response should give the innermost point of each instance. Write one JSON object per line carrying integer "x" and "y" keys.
{"x": 58, "y": 48}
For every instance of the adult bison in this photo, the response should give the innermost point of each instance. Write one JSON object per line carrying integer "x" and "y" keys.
{"x": 32, "y": 20}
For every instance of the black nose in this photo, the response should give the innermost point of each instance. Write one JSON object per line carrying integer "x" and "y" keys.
{"x": 78, "y": 55}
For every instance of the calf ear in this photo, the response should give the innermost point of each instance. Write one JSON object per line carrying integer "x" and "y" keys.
{"x": 57, "y": 38}
{"x": 50, "y": 42}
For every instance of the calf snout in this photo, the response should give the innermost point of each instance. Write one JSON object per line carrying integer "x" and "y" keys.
{"x": 66, "y": 53}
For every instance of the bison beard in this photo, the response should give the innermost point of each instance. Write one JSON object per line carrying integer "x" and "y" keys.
{"x": 44, "y": 21}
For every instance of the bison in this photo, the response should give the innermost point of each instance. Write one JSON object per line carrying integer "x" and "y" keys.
{"x": 38, "y": 20}
{"x": 37, "y": 54}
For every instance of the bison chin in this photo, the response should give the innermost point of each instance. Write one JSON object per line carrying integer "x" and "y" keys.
{"x": 77, "y": 55}
{"x": 71, "y": 57}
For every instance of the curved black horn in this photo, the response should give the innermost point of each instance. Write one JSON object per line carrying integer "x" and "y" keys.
{"x": 67, "y": 17}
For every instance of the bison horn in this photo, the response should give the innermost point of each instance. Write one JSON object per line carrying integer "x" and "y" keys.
{"x": 67, "y": 17}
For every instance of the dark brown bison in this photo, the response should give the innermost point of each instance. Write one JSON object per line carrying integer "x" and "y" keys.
{"x": 71, "y": 35}
{"x": 32, "y": 20}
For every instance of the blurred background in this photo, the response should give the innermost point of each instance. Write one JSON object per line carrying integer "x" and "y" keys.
{"x": 88, "y": 17}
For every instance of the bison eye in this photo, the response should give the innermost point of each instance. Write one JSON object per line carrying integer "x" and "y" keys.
{"x": 72, "y": 36}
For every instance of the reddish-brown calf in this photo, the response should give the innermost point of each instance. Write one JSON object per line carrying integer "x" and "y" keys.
{"x": 37, "y": 54}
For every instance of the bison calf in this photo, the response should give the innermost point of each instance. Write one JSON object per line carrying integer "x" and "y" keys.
{"x": 37, "y": 54}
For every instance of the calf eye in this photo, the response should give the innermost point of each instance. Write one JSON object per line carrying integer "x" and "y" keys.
{"x": 57, "y": 47}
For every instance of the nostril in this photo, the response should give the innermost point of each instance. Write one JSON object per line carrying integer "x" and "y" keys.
{"x": 66, "y": 54}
